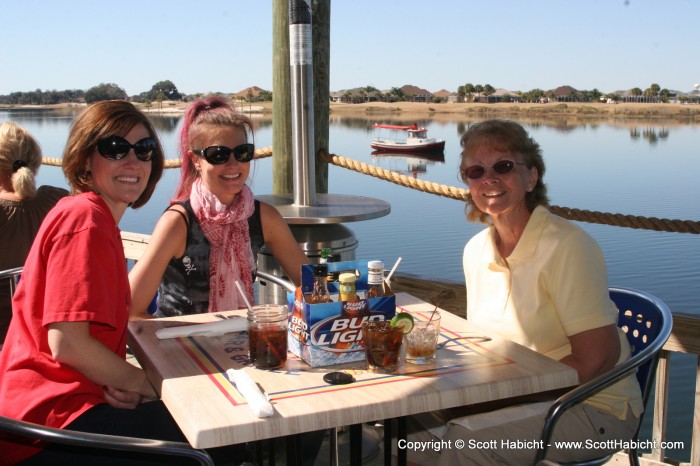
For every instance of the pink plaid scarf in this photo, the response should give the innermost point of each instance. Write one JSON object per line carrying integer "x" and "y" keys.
{"x": 230, "y": 256}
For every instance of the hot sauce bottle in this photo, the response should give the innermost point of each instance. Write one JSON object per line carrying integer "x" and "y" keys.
{"x": 375, "y": 279}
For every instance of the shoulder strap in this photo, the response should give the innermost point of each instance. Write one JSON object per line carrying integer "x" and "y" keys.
{"x": 182, "y": 214}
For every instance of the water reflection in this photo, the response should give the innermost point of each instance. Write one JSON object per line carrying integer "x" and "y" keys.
{"x": 408, "y": 163}
{"x": 165, "y": 123}
{"x": 653, "y": 135}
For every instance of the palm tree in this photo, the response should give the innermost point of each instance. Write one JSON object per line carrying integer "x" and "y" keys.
{"x": 636, "y": 92}
{"x": 469, "y": 89}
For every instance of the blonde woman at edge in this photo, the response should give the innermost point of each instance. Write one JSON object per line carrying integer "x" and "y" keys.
{"x": 22, "y": 205}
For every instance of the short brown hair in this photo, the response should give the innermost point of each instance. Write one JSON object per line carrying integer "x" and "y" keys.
{"x": 506, "y": 136}
{"x": 98, "y": 121}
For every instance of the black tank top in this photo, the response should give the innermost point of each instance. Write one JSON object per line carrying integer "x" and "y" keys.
{"x": 184, "y": 288}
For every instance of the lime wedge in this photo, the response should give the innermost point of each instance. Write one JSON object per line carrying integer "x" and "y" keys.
{"x": 404, "y": 321}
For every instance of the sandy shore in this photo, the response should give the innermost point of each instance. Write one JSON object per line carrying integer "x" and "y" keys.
{"x": 451, "y": 111}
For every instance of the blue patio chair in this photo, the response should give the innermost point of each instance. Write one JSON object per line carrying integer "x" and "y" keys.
{"x": 647, "y": 322}
{"x": 101, "y": 441}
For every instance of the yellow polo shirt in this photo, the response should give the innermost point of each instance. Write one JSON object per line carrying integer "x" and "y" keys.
{"x": 554, "y": 284}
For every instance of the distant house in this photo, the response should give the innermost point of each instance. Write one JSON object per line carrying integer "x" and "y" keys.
{"x": 504, "y": 95}
{"x": 563, "y": 94}
{"x": 249, "y": 94}
{"x": 443, "y": 95}
{"x": 355, "y": 95}
{"x": 416, "y": 93}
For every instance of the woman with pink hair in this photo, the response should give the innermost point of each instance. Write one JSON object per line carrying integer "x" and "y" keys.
{"x": 210, "y": 235}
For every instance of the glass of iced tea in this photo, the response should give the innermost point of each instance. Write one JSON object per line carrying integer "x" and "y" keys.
{"x": 267, "y": 336}
{"x": 382, "y": 345}
{"x": 421, "y": 342}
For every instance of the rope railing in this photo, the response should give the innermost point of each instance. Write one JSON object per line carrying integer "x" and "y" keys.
{"x": 603, "y": 218}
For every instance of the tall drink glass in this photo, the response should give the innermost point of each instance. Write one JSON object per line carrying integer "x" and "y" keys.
{"x": 382, "y": 345}
{"x": 267, "y": 336}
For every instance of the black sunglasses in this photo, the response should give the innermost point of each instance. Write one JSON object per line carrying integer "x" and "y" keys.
{"x": 116, "y": 148}
{"x": 501, "y": 167}
{"x": 217, "y": 155}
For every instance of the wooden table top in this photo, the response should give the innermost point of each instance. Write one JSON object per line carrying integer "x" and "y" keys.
{"x": 190, "y": 375}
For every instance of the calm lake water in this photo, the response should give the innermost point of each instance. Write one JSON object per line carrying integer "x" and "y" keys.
{"x": 643, "y": 168}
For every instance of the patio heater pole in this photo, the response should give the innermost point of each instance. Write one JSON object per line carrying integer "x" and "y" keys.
{"x": 301, "y": 74}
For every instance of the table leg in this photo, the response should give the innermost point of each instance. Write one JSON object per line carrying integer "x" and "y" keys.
{"x": 387, "y": 441}
{"x": 294, "y": 451}
{"x": 333, "y": 435}
{"x": 356, "y": 445}
{"x": 401, "y": 434}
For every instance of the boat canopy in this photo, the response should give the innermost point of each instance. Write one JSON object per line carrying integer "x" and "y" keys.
{"x": 382, "y": 125}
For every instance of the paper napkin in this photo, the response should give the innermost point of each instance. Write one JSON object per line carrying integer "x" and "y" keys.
{"x": 210, "y": 329}
{"x": 250, "y": 391}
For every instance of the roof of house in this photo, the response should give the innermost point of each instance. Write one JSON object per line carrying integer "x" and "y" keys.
{"x": 410, "y": 89}
{"x": 254, "y": 90}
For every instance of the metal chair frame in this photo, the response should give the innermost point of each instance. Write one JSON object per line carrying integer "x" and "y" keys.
{"x": 92, "y": 440}
{"x": 102, "y": 441}
{"x": 14, "y": 275}
{"x": 647, "y": 321}
{"x": 284, "y": 283}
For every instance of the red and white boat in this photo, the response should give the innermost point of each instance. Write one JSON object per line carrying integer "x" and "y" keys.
{"x": 405, "y": 139}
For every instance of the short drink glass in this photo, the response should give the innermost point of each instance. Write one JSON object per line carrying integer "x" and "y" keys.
{"x": 420, "y": 345}
{"x": 382, "y": 345}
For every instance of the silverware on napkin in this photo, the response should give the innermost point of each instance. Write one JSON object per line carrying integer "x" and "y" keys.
{"x": 251, "y": 392}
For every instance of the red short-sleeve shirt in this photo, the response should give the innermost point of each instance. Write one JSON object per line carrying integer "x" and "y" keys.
{"x": 75, "y": 272}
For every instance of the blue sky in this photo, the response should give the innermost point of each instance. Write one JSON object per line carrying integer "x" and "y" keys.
{"x": 226, "y": 45}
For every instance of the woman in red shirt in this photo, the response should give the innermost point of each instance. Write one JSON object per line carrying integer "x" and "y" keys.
{"x": 63, "y": 364}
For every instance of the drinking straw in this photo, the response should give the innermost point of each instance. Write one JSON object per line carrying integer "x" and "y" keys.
{"x": 391, "y": 272}
{"x": 245, "y": 300}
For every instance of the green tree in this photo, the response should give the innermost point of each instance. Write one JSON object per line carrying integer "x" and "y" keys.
{"x": 168, "y": 89}
{"x": 104, "y": 91}
{"x": 488, "y": 90}
{"x": 461, "y": 93}
{"x": 396, "y": 94}
{"x": 469, "y": 90}
{"x": 265, "y": 96}
{"x": 636, "y": 93}
{"x": 595, "y": 94}
{"x": 534, "y": 95}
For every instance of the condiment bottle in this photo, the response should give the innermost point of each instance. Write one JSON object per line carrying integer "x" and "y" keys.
{"x": 320, "y": 292}
{"x": 375, "y": 279}
{"x": 347, "y": 287}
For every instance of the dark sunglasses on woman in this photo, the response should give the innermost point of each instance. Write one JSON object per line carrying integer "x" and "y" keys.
{"x": 116, "y": 148}
{"x": 217, "y": 155}
{"x": 501, "y": 167}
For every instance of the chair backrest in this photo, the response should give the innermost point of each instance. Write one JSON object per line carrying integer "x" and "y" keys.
{"x": 647, "y": 321}
{"x": 641, "y": 318}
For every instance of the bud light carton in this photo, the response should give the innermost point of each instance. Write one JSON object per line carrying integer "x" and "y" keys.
{"x": 331, "y": 333}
